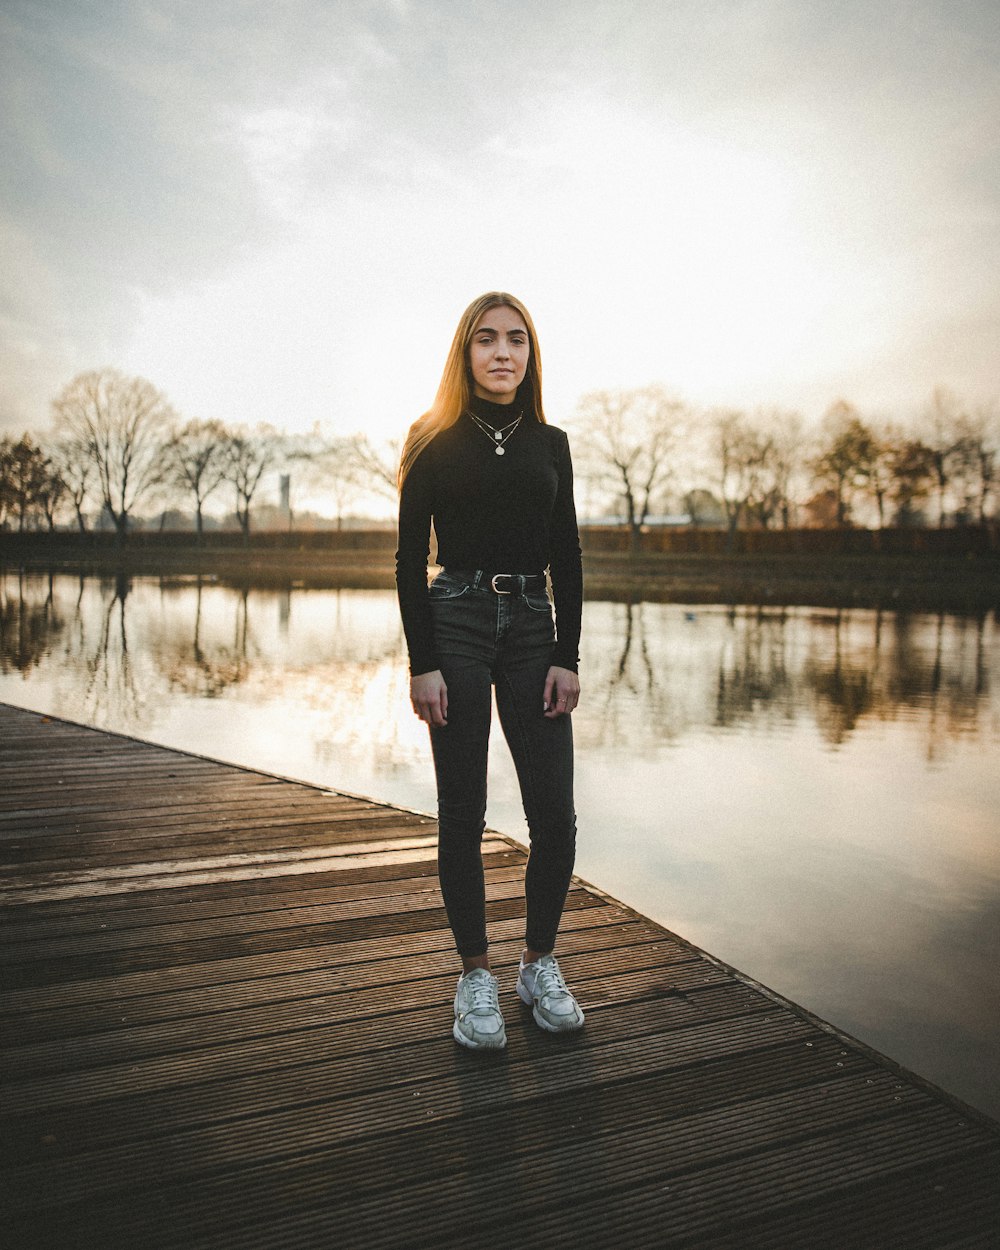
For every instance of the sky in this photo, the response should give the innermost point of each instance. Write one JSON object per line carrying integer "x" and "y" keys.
{"x": 277, "y": 211}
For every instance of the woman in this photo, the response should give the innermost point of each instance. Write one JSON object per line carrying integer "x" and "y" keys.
{"x": 496, "y": 481}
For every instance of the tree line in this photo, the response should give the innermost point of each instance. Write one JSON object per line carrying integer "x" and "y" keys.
{"x": 117, "y": 448}
{"x": 650, "y": 454}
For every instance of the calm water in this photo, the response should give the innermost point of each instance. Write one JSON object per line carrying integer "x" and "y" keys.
{"x": 811, "y": 795}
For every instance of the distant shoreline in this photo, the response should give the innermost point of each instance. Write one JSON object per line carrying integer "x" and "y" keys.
{"x": 955, "y": 581}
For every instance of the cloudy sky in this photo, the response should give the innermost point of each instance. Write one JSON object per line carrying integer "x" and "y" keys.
{"x": 276, "y": 211}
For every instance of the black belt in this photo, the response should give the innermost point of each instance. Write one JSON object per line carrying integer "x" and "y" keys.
{"x": 516, "y": 584}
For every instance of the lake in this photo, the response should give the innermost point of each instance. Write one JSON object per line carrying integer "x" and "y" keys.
{"x": 811, "y": 795}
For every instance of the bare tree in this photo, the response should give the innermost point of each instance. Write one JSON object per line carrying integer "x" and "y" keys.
{"x": 786, "y": 460}
{"x": 248, "y": 456}
{"x": 375, "y": 465}
{"x": 73, "y": 462}
{"x": 986, "y": 432}
{"x": 911, "y": 470}
{"x": 964, "y": 470}
{"x": 328, "y": 467}
{"x": 343, "y": 469}
{"x": 738, "y": 451}
{"x": 28, "y": 479}
{"x": 626, "y": 443}
{"x": 196, "y": 459}
{"x": 847, "y": 452}
{"x": 879, "y": 480}
{"x": 341, "y": 480}
{"x": 974, "y": 462}
{"x": 6, "y": 480}
{"x": 766, "y": 480}
{"x": 942, "y": 431}
{"x": 123, "y": 422}
{"x": 754, "y": 460}
{"x": 50, "y": 494}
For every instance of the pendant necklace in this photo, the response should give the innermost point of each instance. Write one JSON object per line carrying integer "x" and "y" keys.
{"x": 497, "y": 437}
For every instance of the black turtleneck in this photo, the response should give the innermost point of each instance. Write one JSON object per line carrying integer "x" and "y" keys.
{"x": 508, "y": 514}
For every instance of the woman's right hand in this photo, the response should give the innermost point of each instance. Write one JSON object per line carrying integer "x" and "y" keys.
{"x": 429, "y": 696}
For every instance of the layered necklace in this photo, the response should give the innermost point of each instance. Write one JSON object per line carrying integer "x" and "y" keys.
{"x": 500, "y": 436}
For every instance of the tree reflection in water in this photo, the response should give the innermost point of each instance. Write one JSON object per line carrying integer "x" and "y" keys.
{"x": 754, "y": 678}
{"x": 113, "y": 687}
{"x": 43, "y": 625}
{"x": 653, "y": 672}
{"x": 29, "y": 623}
{"x": 200, "y": 665}
{"x": 932, "y": 670}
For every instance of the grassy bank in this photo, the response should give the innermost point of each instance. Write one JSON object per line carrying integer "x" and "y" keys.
{"x": 912, "y": 583}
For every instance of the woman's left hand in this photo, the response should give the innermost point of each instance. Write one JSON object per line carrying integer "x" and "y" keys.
{"x": 562, "y": 692}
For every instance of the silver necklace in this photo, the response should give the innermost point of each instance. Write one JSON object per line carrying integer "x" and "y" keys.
{"x": 497, "y": 437}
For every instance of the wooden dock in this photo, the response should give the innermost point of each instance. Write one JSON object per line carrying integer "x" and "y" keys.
{"x": 227, "y": 1023}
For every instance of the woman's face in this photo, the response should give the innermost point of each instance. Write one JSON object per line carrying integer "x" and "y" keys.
{"x": 498, "y": 354}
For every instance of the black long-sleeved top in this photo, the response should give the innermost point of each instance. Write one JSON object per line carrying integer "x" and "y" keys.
{"x": 508, "y": 514}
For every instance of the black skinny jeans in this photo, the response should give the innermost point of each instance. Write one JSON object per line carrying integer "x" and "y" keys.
{"x": 484, "y": 639}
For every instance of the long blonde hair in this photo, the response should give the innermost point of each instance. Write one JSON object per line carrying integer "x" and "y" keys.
{"x": 455, "y": 389}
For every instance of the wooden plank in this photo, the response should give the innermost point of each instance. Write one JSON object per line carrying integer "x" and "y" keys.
{"x": 220, "y": 972}
{"x": 602, "y": 943}
{"x": 97, "y": 919}
{"x": 178, "y": 929}
{"x": 288, "y": 1069}
{"x": 91, "y": 911}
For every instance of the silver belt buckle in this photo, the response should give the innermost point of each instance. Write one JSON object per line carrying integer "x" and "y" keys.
{"x": 496, "y": 588}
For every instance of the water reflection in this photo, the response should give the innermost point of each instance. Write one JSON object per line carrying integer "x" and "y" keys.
{"x": 653, "y": 672}
{"x": 754, "y": 671}
{"x": 661, "y": 671}
{"x": 28, "y": 624}
{"x": 810, "y": 794}
{"x": 210, "y": 662}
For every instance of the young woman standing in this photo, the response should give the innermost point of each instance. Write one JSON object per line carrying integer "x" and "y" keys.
{"x": 496, "y": 481}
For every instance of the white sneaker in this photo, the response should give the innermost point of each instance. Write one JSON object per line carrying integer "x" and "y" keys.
{"x": 541, "y": 986}
{"x": 478, "y": 1022}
